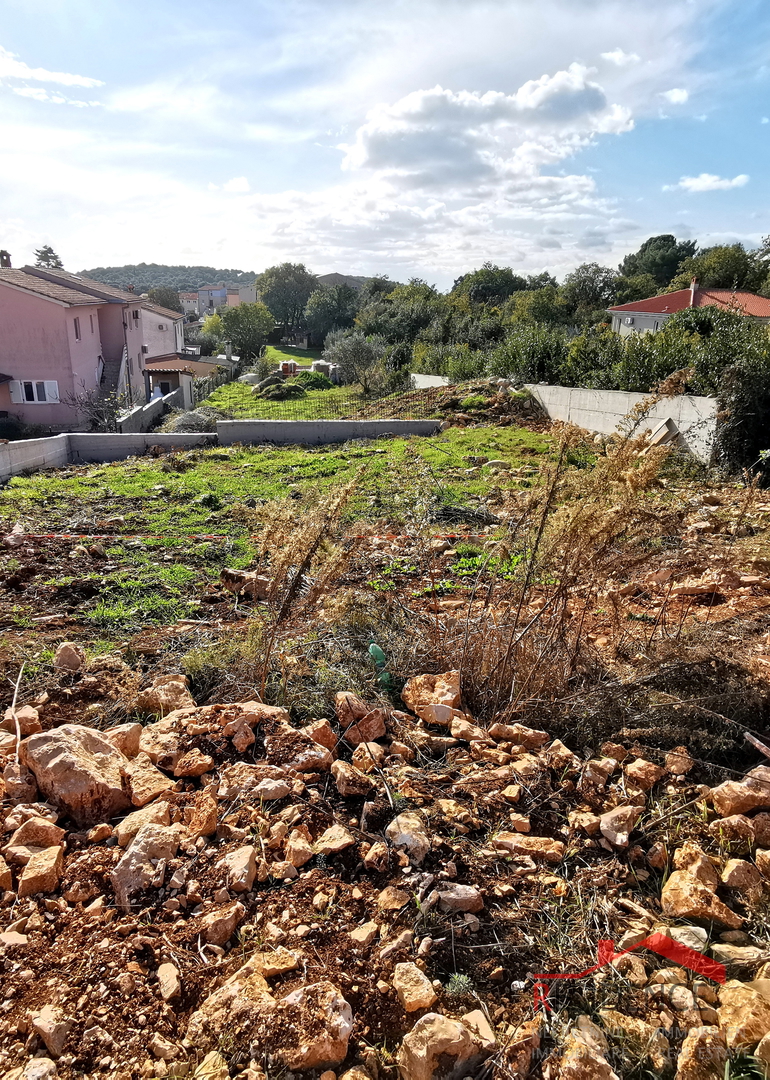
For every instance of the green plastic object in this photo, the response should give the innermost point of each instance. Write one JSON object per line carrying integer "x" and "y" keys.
{"x": 385, "y": 680}
{"x": 377, "y": 655}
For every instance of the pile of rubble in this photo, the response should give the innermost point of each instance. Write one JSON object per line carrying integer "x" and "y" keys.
{"x": 218, "y": 892}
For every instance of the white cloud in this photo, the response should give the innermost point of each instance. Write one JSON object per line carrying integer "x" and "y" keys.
{"x": 37, "y": 93}
{"x": 620, "y": 58}
{"x": 238, "y": 184}
{"x": 677, "y": 96}
{"x": 765, "y": 120}
{"x": 13, "y": 68}
{"x": 707, "y": 182}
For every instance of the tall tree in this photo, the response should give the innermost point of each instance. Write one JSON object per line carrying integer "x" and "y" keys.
{"x": 330, "y": 309}
{"x": 46, "y": 256}
{"x": 165, "y": 297}
{"x": 659, "y": 256}
{"x": 358, "y": 357}
{"x": 588, "y": 290}
{"x": 286, "y": 290}
{"x": 247, "y": 327}
{"x": 489, "y": 285}
{"x": 724, "y": 266}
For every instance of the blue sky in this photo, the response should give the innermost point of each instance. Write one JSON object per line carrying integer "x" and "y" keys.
{"x": 407, "y": 137}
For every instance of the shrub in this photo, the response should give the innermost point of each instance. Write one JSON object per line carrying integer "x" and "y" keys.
{"x": 313, "y": 380}
{"x": 282, "y": 392}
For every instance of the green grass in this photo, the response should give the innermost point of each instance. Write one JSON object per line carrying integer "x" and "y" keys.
{"x": 238, "y": 399}
{"x": 158, "y": 564}
{"x": 276, "y": 354}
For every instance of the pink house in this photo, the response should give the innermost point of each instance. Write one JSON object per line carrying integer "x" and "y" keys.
{"x": 62, "y": 335}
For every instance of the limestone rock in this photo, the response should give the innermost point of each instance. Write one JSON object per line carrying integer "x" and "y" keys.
{"x": 583, "y": 1056}
{"x": 200, "y": 817}
{"x": 684, "y": 897}
{"x": 166, "y": 694}
{"x": 392, "y": 899}
{"x": 320, "y": 731}
{"x": 703, "y": 1055}
{"x": 267, "y": 783}
{"x": 350, "y": 781}
{"x": 425, "y": 690}
{"x": 79, "y": 770}
{"x": 617, "y": 824}
{"x": 678, "y": 761}
{"x": 37, "y": 832}
{"x": 644, "y": 1036}
{"x": 69, "y": 657}
{"x": 299, "y": 847}
{"x": 194, "y": 763}
{"x": 241, "y": 868}
{"x": 438, "y": 1048}
{"x": 125, "y": 738}
{"x": 734, "y": 833}
{"x": 452, "y": 897}
{"x": 744, "y": 1015}
{"x": 295, "y": 751}
{"x": 541, "y": 848}
{"x": 368, "y": 756}
{"x": 139, "y": 865}
{"x": 213, "y": 1067}
{"x": 218, "y": 926}
{"x": 414, "y": 989}
{"x": 42, "y": 873}
{"x": 142, "y": 782}
{"x": 742, "y": 796}
{"x": 53, "y": 1028}
{"x": 349, "y": 708}
{"x": 368, "y": 728}
{"x": 365, "y": 934}
{"x": 335, "y": 838}
{"x": 407, "y": 831}
{"x": 519, "y": 735}
{"x": 310, "y": 1045}
{"x": 28, "y": 721}
{"x": 156, "y": 813}
{"x": 168, "y": 982}
{"x": 6, "y": 878}
{"x": 644, "y": 774}
{"x": 739, "y": 874}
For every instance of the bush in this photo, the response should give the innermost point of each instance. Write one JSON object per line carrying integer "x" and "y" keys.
{"x": 313, "y": 380}
{"x": 530, "y": 353}
{"x": 283, "y": 392}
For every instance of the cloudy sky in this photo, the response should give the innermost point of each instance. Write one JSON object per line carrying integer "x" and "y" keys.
{"x": 409, "y": 137}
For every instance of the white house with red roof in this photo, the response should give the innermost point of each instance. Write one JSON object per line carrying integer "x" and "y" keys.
{"x": 650, "y": 315}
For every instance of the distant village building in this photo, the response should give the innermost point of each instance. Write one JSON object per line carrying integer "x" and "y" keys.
{"x": 189, "y": 302}
{"x": 63, "y": 335}
{"x": 640, "y": 316}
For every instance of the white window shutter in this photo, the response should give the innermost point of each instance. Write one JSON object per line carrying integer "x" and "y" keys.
{"x": 51, "y": 390}
{"x": 16, "y": 395}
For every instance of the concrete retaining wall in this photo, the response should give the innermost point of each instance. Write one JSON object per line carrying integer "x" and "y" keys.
{"x": 143, "y": 417}
{"x": 32, "y": 454}
{"x": 105, "y": 446}
{"x": 603, "y": 410}
{"x": 318, "y": 432}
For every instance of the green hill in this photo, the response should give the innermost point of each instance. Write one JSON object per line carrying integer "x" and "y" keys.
{"x": 144, "y": 276}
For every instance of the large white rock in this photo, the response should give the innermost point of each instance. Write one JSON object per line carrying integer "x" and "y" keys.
{"x": 78, "y": 770}
{"x": 438, "y": 1048}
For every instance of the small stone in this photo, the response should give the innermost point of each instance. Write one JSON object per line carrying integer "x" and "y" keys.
{"x": 370, "y": 728}
{"x": 162, "y": 1048}
{"x": 299, "y": 847}
{"x": 320, "y": 731}
{"x": 535, "y": 847}
{"x": 194, "y": 763}
{"x": 678, "y": 761}
{"x": 617, "y": 824}
{"x": 703, "y": 1055}
{"x": 368, "y": 756}
{"x": 739, "y": 874}
{"x": 26, "y": 717}
{"x": 241, "y": 868}
{"x": 336, "y": 838}
{"x": 350, "y": 781}
{"x": 407, "y": 831}
{"x": 42, "y": 873}
{"x": 168, "y": 982}
{"x": 365, "y": 934}
{"x": 157, "y": 813}
{"x": 742, "y": 796}
{"x": 219, "y": 925}
{"x": 438, "y": 1047}
{"x": 69, "y": 657}
{"x": 644, "y": 774}
{"x": 520, "y": 822}
{"x": 99, "y": 833}
{"x": 744, "y": 1015}
{"x": 414, "y": 989}
{"x": 392, "y": 899}
{"x": 453, "y": 898}
{"x": 53, "y": 1028}
{"x": 377, "y": 858}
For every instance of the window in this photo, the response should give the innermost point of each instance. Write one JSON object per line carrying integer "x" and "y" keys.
{"x": 25, "y": 392}
{"x": 76, "y": 323}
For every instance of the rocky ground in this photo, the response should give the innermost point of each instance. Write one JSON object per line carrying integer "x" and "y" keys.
{"x": 294, "y": 866}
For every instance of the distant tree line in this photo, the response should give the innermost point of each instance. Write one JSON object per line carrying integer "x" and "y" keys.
{"x": 146, "y": 276}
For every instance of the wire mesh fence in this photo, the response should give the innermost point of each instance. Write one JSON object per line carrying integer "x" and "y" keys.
{"x": 345, "y": 404}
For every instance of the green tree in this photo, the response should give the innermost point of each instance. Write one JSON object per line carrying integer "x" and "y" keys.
{"x": 635, "y": 287}
{"x": 724, "y": 266}
{"x": 359, "y": 358}
{"x": 211, "y": 334}
{"x": 588, "y": 291}
{"x": 286, "y": 289}
{"x": 165, "y": 297}
{"x": 46, "y": 256}
{"x": 659, "y": 256}
{"x": 331, "y": 308}
{"x": 489, "y": 285}
{"x": 545, "y": 305}
{"x": 247, "y": 327}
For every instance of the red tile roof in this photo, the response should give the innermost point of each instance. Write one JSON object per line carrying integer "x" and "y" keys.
{"x": 48, "y": 289}
{"x": 81, "y": 284}
{"x": 746, "y": 303}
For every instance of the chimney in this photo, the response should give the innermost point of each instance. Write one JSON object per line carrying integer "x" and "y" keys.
{"x": 5, "y": 260}
{"x": 129, "y": 288}
{"x": 229, "y": 350}
{"x": 693, "y": 291}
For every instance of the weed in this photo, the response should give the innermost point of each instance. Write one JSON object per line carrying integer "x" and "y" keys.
{"x": 460, "y": 986}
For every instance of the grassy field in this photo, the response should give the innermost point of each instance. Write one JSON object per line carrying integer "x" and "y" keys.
{"x": 238, "y": 399}
{"x": 159, "y": 512}
{"x": 275, "y": 354}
